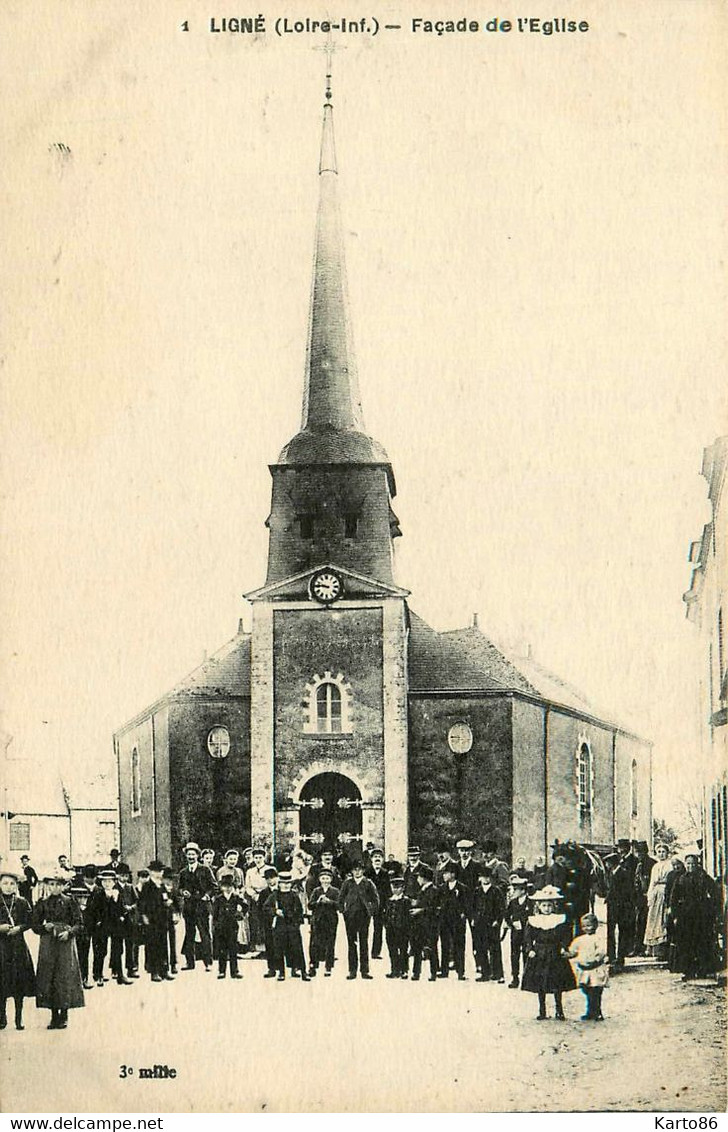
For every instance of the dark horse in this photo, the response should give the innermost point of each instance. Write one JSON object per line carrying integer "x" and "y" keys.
{"x": 581, "y": 875}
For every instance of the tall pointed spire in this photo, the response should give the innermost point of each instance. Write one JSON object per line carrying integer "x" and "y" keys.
{"x": 333, "y": 485}
{"x": 332, "y": 425}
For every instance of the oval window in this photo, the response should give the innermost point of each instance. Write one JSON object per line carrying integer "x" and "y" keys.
{"x": 218, "y": 742}
{"x": 460, "y": 738}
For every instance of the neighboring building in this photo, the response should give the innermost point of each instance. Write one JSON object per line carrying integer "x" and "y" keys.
{"x": 44, "y": 818}
{"x": 707, "y": 607}
{"x": 342, "y": 717}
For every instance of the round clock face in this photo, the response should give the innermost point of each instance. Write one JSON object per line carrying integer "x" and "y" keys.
{"x": 326, "y": 586}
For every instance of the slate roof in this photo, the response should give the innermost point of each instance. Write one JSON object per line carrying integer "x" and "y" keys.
{"x": 458, "y": 661}
{"x": 226, "y": 672}
{"x": 466, "y": 660}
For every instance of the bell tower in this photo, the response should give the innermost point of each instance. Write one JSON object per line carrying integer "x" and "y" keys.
{"x": 333, "y": 484}
{"x": 328, "y": 682}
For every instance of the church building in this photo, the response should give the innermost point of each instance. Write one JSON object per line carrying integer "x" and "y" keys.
{"x": 342, "y": 718}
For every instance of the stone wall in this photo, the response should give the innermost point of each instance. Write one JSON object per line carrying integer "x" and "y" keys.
{"x": 466, "y": 795}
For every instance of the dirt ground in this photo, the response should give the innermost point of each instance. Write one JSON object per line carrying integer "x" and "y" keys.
{"x": 337, "y": 1046}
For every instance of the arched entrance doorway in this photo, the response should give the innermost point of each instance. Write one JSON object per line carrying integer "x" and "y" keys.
{"x": 330, "y": 814}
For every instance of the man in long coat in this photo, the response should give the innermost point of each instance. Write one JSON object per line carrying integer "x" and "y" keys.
{"x": 105, "y": 920}
{"x": 57, "y": 920}
{"x": 424, "y": 924}
{"x": 488, "y": 912}
{"x": 379, "y": 877}
{"x": 82, "y": 892}
{"x": 358, "y": 901}
{"x": 454, "y": 907}
{"x": 620, "y": 903}
{"x": 415, "y": 866}
{"x": 154, "y": 908}
{"x": 196, "y": 887}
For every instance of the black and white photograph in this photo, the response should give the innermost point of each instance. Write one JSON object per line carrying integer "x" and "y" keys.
{"x": 364, "y": 560}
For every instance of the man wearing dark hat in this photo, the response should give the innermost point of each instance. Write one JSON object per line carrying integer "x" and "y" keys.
{"x": 415, "y": 865}
{"x": 228, "y": 909}
{"x": 29, "y": 880}
{"x": 326, "y": 862}
{"x": 620, "y": 902}
{"x": 499, "y": 870}
{"x": 397, "y": 921}
{"x": 380, "y": 879}
{"x": 105, "y": 919}
{"x": 196, "y": 887}
{"x": 454, "y": 906}
{"x": 424, "y": 915}
{"x": 323, "y": 906}
{"x": 82, "y": 892}
{"x": 270, "y": 878}
{"x": 358, "y": 901}
{"x": 174, "y": 915}
{"x": 488, "y": 912}
{"x": 154, "y": 905}
{"x": 131, "y": 918}
{"x": 113, "y": 864}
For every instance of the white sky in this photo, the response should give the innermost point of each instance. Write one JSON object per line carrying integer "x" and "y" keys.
{"x": 536, "y": 244}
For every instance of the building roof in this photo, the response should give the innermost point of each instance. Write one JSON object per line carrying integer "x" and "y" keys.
{"x": 226, "y": 672}
{"x": 458, "y": 661}
{"x": 465, "y": 660}
{"x": 29, "y": 792}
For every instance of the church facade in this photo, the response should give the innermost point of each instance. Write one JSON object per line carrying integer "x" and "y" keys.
{"x": 342, "y": 718}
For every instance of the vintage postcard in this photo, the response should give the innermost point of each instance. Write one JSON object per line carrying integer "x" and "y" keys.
{"x": 364, "y": 561}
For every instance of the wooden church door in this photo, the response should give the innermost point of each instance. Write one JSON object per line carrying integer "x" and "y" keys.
{"x": 330, "y": 815}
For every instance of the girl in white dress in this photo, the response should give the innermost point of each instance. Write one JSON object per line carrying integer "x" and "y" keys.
{"x": 592, "y": 968}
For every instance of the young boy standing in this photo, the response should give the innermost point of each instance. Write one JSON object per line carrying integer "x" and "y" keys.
{"x": 323, "y": 906}
{"x": 397, "y": 924}
{"x": 228, "y": 909}
{"x": 515, "y": 919}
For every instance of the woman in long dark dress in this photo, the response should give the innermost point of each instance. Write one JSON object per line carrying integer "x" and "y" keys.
{"x": 546, "y": 937}
{"x": 694, "y": 908}
{"x": 17, "y": 977}
{"x": 57, "y": 920}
